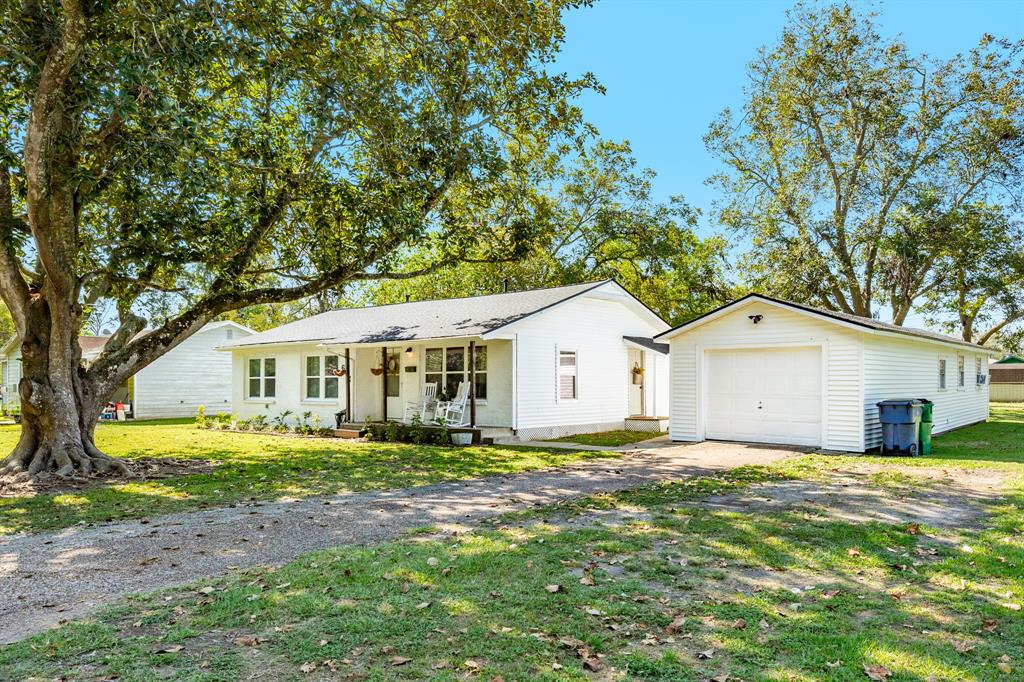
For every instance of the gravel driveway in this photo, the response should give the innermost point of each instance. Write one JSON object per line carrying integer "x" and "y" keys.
{"x": 49, "y": 577}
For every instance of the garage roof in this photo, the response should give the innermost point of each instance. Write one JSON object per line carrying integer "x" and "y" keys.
{"x": 867, "y": 323}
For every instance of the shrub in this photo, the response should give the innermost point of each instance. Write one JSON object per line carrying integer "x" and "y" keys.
{"x": 201, "y": 421}
{"x": 258, "y": 423}
{"x": 417, "y": 433}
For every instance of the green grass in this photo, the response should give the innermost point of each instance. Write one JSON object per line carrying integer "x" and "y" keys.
{"x": 253, "y": 466}
{"x": 663, "y": 579}
{"x": 610, "y": 438}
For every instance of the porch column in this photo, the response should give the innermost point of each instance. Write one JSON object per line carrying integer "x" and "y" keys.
{"x": 472, "y": 383}
{"x": 348, "y": 387}
{"x": 384, "y": 382}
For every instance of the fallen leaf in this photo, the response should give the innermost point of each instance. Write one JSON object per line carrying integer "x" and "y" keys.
{"x": 853, "y": 551}
{"x": 586, "y": 580}
{"x": 914, "y": 528}
{"x": 592, "y": 664}
{"x": 432, "y": 561}
{"x": 396, "y": 661}
{"x": 471, "y": 664}
{"x": 676, "y": 625}
{"x": 739, "y": 624}
{"x": 763, "y": 624}
{"x": 879, "y": 673}
{"x": 308, "y": 667}
{"x": 963, "y": 647}
{"x": 989, "y": 625}
{"x": 171, "y": 649}
{"x": 245, "y": 641}
{"x": 1004, "y": 664}
{"x": 553, "y": 588}
{"x": 706, "y": 654}
{"x": 720, "y": 678}
{"x": 423, "y": 605}
{"x": 1011, "y": 606}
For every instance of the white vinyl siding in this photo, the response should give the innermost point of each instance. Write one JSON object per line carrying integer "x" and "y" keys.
{"x": 191, "y": 374}
{"x": 904, "y": 368}
{"x": 593, "y": 328}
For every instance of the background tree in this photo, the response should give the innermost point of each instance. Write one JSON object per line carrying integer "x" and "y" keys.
{"x": 601, "y": 222}
{"x": 980, "y": 290}
{"x": 840, "y": 128}
{"x": 187, "y": 158}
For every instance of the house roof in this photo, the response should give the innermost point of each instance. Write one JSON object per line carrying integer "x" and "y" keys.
{"x": 866, "y": 323}
{"x": 93, "y": 345}
{"x": 416, "y": 320}
{"x": 648, "y": 343}
{"x": 1010, "y": 360}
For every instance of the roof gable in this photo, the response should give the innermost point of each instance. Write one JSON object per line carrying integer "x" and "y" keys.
{"x": 858, "y": 322}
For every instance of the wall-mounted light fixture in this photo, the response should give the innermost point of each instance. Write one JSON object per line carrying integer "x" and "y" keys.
{"x": 755, "y": 318}
{"x": 410, "y": 355}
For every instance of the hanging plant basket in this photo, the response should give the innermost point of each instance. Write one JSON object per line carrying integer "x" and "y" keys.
{"x": 339, "y": 372}
{"x": 638, "y": 375}
{"x": 376, "y": 371}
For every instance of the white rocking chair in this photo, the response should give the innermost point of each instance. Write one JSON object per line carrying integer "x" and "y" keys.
{"x": 454, "y": 412}
{"x": 427, "y": 403}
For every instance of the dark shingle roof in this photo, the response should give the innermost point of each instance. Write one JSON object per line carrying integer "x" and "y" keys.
{"x": 445, "y": 318}
{"x": 649, "y": 343}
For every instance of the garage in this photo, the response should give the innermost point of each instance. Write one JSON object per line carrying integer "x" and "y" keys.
{"x": 764, "y": 370}
{"x": 764, "y": 395}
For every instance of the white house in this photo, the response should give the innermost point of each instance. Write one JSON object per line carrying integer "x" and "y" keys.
{"x": 191, "y": 374}
{"x": 771, "y": 371}
{"x": 549, "y": 362}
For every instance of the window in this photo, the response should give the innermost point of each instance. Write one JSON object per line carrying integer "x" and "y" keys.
{"x": 942, "y": 373}
{"x": 392, "y": 378}
{"x": 979, "y": 373}
{"x": 321, "y": 382}
{"x": 567, "y": 386}
{"x": 448, "y": 367}
{"x": 959, "y": 370}
{"x": 262, "y": 377}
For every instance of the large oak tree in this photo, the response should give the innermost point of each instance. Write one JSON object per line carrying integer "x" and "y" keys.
{"x": 842, "y": 127}
{"x": 229, "y": 154}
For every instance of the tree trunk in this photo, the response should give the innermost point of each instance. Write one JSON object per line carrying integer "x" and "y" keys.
{"x": 59, "y": 406}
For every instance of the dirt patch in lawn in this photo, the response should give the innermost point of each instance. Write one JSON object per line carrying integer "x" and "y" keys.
{"x": 149, "y": 469}
{"x": 941, "y": 498}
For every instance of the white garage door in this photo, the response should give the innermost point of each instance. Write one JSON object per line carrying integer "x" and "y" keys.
{"x": 764, "y": 395}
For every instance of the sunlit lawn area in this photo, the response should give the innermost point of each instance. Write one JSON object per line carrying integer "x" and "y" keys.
{"x": 610, "y": 438}
{"x": 254, "y": 466}
{"x": 648, "y": 584}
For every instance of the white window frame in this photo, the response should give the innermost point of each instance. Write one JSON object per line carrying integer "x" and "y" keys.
{"x": 560, "y": 372}
{"x": 961, "y": 372}
{"x": 465, "y": 367}
{"x": 979, "y": 371}
{"x": 323, "y": 377}
{"x": 943, "y": 374}
{"x": 262, "y": 377}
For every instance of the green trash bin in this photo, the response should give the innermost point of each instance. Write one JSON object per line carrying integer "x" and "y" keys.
{"x": 926, "y": 427}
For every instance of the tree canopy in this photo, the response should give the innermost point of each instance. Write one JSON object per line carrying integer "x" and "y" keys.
{"x": 601, "y": 222}
{"x": 844, "y": 137}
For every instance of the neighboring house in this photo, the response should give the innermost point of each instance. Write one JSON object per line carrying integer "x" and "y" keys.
{"x": 770, "y": 371}
{"x": 191, "y": 374}
{"x": 549, "y": 362}
{"x": 1007, "y": 379}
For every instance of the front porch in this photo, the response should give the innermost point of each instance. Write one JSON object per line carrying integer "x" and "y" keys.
{"x": 387, "y": 382}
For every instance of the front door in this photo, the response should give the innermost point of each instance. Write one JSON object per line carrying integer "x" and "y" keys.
{"x": 393, "y": 384}
{"x": 635, "y": 382}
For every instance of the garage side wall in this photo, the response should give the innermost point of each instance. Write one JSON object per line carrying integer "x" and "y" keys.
{"x": 842, "y": 412}
{"x": 897, "y": 368}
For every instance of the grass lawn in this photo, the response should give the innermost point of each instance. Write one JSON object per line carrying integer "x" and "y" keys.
{"x": 648, "y": 584}
{"x": 611, "y": 438}
{"x": 243, "y": 466}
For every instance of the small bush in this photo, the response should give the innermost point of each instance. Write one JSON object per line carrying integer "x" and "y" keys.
{"x": 201, "y": 421}
{"x": 417, "y": 433}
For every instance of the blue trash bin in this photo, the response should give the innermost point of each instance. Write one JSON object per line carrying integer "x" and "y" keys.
{"x": 901, "y": 424}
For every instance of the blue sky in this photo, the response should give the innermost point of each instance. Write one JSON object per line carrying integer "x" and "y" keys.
{"x": 670, "y": 66}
